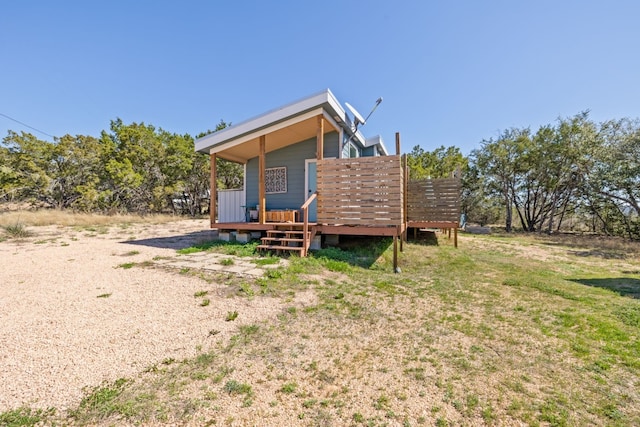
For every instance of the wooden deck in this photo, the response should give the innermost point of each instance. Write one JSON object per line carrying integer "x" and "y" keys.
{"x": 320, "y": 228}
{"x": 255, "y": 226}
{"x": 366, "y": 196}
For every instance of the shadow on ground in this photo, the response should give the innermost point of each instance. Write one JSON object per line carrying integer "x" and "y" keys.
{"x": 360, "y": 251}
{"x": 424, "y": 237}
{"x": 625, "y": 286}
{"x": 180, "y": 241}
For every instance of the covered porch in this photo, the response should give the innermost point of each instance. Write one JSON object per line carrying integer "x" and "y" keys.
{"x": 279, "y": 174}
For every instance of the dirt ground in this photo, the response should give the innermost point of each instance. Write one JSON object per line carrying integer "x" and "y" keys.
{"x": 73, "y": 315}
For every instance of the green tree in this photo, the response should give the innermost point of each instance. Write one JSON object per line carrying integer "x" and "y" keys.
{"x": 75, "y": 171}
{"x": 24, "y": 171}
{"x": 439, "y": 163}
{"x": 498, "y": 165}
{"x": 612, "y": 185}
{"x": 550, "y": 171}
{"x": 145, "y": 167}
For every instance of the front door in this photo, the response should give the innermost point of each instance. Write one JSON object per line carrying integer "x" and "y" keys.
{"x": 310, "y": 188}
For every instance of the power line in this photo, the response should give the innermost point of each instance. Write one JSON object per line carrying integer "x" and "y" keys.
{"x": 24, "y": 124}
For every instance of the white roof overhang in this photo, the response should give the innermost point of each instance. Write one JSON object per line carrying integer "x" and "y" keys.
{"x": 281, "y": 127}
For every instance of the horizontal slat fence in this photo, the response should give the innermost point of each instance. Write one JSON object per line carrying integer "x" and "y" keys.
{"x": 360, "y": 191}
{"x": 434, "y": 200}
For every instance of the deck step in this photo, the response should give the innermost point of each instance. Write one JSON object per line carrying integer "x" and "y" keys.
{"x": 286, "y": 237}
{"x": 281, "y": 239}
{"x": 273, "y": 233}
{"x": 280, "y": 248}
{"x": 286, "y": 234}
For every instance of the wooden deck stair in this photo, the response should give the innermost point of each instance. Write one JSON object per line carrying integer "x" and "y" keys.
{"x": 288, "y": 237}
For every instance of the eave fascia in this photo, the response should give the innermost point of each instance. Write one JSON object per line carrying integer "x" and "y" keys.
{"x": 262, "y": 123}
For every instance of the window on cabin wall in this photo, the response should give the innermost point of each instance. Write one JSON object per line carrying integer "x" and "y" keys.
{"x": 350, "y": 150}
{"x": 275, "y": 180}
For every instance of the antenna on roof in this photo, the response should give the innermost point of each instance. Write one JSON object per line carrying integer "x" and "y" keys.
{"x": 358, "y": 120}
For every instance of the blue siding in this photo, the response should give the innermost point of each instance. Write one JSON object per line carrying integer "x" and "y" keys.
{"x": 293, "y": 158}
{"x": 368, "y": 151}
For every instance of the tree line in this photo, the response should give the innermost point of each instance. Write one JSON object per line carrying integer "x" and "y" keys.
{"x": 575, "y": 174}
{"x": 572, "y": 174}
{"x": 134, "y": 168}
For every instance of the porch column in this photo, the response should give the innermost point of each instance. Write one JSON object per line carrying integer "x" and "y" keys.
{"x": 320, "y": 138}
{"x": 262, "y": 200}
{"x": 213, "y": 189}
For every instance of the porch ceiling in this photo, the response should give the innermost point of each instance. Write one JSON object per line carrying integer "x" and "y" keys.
{"x": 275, "y": 139}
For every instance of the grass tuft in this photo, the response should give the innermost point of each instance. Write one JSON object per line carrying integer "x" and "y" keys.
{"x": 25, "y": 417}
{"x": 103, "y": 401}
{"x": 17, "y": 231}
{"x": 127, "y": 265}
{"x": 289, "y": 388}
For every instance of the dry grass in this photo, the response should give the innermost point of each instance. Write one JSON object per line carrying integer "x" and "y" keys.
{"x": 44, "y": 217}
{"x": 574, "y": 240}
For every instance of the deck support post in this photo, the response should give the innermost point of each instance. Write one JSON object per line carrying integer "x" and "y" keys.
{"x": 261, "y": 172}
{"x": 395, "y": 253}
{"x": 405, "y": 197}
{"x": 213, "y": 187}
{"x": 320, "y": 138}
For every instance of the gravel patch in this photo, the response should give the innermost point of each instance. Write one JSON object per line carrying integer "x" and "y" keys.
{"x": 72, "y": 315}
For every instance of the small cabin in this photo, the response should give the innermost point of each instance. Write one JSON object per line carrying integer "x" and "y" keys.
{"x": 308, "y": 171}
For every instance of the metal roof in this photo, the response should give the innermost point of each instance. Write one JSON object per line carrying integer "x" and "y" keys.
{"x": 285, "y": 125}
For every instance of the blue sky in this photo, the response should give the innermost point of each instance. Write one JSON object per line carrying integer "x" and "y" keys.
{"x": 450, "y": 72}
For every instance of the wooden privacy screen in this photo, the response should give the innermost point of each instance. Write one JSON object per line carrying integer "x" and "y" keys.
{"x": 434, "y": 200}
{"x": 360, "y": 191}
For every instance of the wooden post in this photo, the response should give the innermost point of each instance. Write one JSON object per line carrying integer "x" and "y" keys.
{"x": 213, "y": 186}
{"x": 455, "y": 237}
{"x": 405, "y": 199}
{"x": 397, "y": 143}
{"x": 261, "y": 172}
{"x": 395, "y": 253}
{"x": 320, "y": 138}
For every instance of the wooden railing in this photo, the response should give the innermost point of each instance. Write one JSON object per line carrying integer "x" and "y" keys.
{"x": 306, "y": 239}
